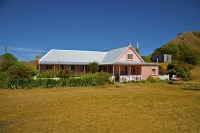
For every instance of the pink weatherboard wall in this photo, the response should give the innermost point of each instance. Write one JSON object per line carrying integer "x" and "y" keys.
{"x": 147, "y": 71}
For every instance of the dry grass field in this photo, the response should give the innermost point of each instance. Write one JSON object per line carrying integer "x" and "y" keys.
{"x": 139, "y": 107}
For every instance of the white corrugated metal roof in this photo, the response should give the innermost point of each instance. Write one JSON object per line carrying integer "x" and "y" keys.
{"x": 72, "y": 56}
{"x": 112, "y": 55}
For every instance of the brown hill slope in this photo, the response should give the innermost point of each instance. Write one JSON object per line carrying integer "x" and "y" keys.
{"x": 191, "y": 38}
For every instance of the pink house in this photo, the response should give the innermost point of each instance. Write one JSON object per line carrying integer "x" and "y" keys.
{"x": 123, "y": 63}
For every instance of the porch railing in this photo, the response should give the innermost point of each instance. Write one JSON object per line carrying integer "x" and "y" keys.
{"x": 127, "y": 78}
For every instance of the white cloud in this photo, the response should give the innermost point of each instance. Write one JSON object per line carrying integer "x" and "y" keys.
{"x": 26, "y": 49}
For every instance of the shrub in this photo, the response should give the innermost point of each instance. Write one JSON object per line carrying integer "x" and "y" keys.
{"x": 19, "y": 83}
{"x": 47, "y": 74}
{"x": 74, "y": 81}
{"x": 93, "y": 67}
{"x": 88, "y": 80}
{"x": 51, "y": 83}
{"x": 135, "y": 81}
{"x": 151, "y": 79}
{"x": 143, "y": 81}
{"x": 102, "y": 78}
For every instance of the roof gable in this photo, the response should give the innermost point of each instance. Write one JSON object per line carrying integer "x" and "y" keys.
{"x": 130, "y": 50}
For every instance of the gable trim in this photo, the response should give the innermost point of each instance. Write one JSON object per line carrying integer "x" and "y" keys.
{"x": 135, "y": 52}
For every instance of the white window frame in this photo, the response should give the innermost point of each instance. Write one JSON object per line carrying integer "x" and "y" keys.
{"x": 153, "y": 71}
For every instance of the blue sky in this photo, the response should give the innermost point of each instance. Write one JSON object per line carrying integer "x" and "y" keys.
{"x": 31, "y": 27}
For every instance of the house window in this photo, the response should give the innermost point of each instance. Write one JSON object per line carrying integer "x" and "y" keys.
{"x": 48, "y": 67}
{"x": 72, "y": 67}
{"x": 129, "y": 56}
{"x": 62, "y": 67}
{"x": 153, "y": 71}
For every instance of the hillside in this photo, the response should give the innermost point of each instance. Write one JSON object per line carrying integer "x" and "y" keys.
{"x": 190, "y": 38}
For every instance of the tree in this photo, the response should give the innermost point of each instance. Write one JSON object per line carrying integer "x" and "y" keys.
{"x": 188, "y": 55}
{"x": 177, "y": 68}
{"x": 146, "y": 59}
{"x": 6, "y": 61}
{"x": 93, "y": 67}
{"x": 171, "y": 49}
{"x": 21, "y": 71}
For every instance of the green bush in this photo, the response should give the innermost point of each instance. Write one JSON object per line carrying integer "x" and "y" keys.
{"x": 51, "y": 83}
{"x": 74, "y": 81}
{"x": 88, "y": 80}
{"x": 93, "y": 67}
{"x": 102, "y": 78}
{"x": 19, "y": 83}
{"x": 151, "y": 79}
{"x": 47, "y": 74}
{"x": 143, "y": 81}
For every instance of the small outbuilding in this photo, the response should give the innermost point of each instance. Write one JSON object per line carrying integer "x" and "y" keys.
{"x": 161, "y": 58}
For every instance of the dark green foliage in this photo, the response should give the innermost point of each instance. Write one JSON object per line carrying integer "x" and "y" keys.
{"x": 168, "y": 49}
{"x": 180, "y": 52}
{"x": 146, "y": 59}
{"x": 51, "y": 83}
{"x": 188, "y": 55}
{"x": 102, "y": 78}
{"x": 64, "y": 82}
{"x": 15, "y": 75}
{"x": 21, "y": 71}
{"x": 180, "y": 69}
{"x": 143, "y": 81}
{"x": 74, "y": 81}
{"x": 88, "y": 80}
{"x": 3, "y": 79}
{"x": 6, "y": 61}
{"x": 47, "y": 74}
{"x": 19, "y": 83}
{"x": 151, "y": 79}
{"x": 65, "y": 74}
{"x": 93, "y": 67}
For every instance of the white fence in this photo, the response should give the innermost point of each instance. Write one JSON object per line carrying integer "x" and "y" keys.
{"x": 163, "y": 77}
{"x": 127, "y": 78}
{"x": 48, "y": 78}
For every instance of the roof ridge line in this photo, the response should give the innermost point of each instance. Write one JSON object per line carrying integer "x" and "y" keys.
{"x": 116, "y": 48}
{"x": 77, "y": 50}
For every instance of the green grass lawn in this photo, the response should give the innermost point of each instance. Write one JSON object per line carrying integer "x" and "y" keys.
{"x": 147, "y": 107}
